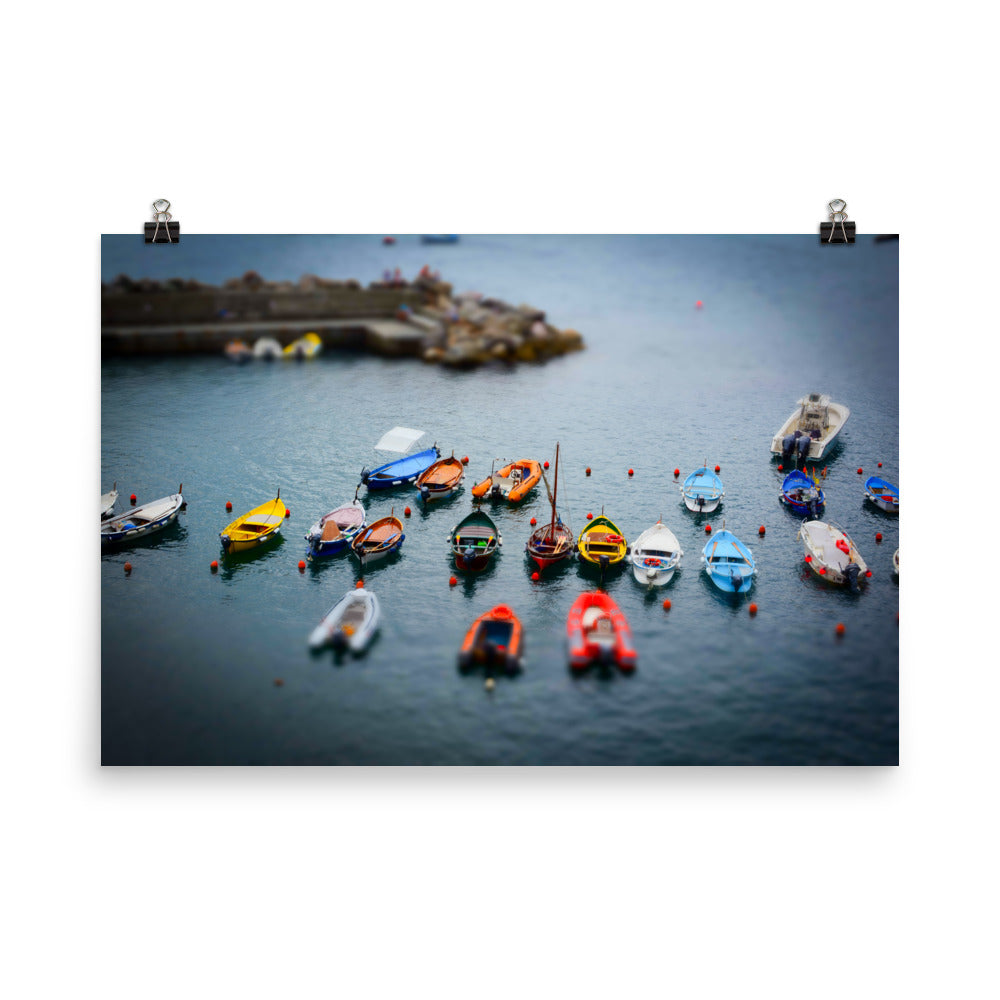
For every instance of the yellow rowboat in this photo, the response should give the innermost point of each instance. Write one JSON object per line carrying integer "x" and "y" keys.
{"x": 307, "y": 346}
{"x": 601, "y": 543}
{"x": 254, "y": 528}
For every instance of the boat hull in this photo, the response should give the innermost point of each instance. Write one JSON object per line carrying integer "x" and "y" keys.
{"x": 598, "y": 632}
{"x": 820, "y": 445}
{"x": 702, "y": 491}
{"x": 882, "y": 494}
{"x": 549, "y": 546}
{"x": 401, "y": 472}
{"x": 601, "y": 544}
{"x": 474, "y": 542}
{"x": 350, "y": 624}
{"x": 729, "y": 563}
{"x": 141, "y": 522}
{"x": 350, "y": 522}
{"x": 502, "y": 485}
{"x": 831, "y": 555}
{"x": 256, "y": 528}
{"x": 495, "y": 639}
{"x": 655, "y": 556}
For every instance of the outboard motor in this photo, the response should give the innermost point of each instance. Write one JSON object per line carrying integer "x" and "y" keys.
{"x": 787, "y": 446}
{"x": 853, "y": 573}
{"x": 364, "y": 477}
{"x": 813, "y": 506}
{"x": 338, "y": 640}
{"x": 802, "y": 446}
{"x": 701, "y": 502}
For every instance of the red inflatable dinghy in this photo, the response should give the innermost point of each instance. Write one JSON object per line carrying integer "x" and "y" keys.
{"x": 598, "y": 633}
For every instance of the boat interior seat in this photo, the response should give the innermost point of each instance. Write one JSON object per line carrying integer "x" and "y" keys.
{"x": 331, "y": 530}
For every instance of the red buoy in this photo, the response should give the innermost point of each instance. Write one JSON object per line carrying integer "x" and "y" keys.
{"x": 840, "y": 628}
{"x": 359, "y": 584}
{"x": 588, "y": 470}
{"x": 214, "y": 565}
{"x": 761, "y": 531}
{"x": 631, "y": 472}
{"x": 708, "y": 529}
{"x": 288, "y": 512}
{"x": 407, "y": 512}
{"x": 717, "y": 469}
{"x": 868, "y": 573}
{"x": 666, "y": 605}
{"x": 822, "y": 571}
{"x": 452, "y": 581}
{"x": 878, "y": 536}
{"x": 229, "y": 505}
{"x": 809, "y": 559}
{"x": 278, "y": 682}
{"x": 302, "y": 565}
{"x": 753, "y": 609}
{"x": 535, "y": 577}
{"x": 465, "y": 460}
{"x": 533, "y": 522}
{"x": 860, "y": 471}
{"x": 131, "y": 499}
{"x": 677, "y": 472}
{"x": 590, "y": 516}
{"x": 128, "y": 567}
{"x": 545, "y": 464}
{"x": 698, "y": 304}
{"x": 781, "y": 468}
{"x": 880, "y": 465}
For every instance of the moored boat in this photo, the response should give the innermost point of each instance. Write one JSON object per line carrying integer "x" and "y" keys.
{"x": 474, "y": 541}
{"x": 108, "y": 501}
{"x": 141, "y": 521}
{"x": 655, "y": 555}
{"x": 304, "y": 347}
{"x": 400, "y": 471}
{"x": 883, "y": 494}
{"x": 379, "y": 540}
{"x": 811, "y": 429}
{"x": 553, "y": 542}
{"x": 250, "y": 530}
{"x": 728, "y": 563}
{"x": 598, "y": 632}
{"x": 702, "y": 491}
{"x": 238, "y": 351}
{"x": 350, "y": 624}
{"x": 495, "y": 639}
{"x": 895, "y": 562}
{"x": 601, "y": 543}
{"x": 440, "y": 480}
{"x": 334, "y": 532}
{"x": 266, "y": 348}
{"x": 832, "y": 555}
{"x": 801, "y": 494}
{"x": 432, "y": 238}
{"x": 512, "y": 483}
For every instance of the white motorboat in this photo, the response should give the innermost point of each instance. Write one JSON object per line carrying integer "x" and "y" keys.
{"x": 832, "y": 555}
{"x": 350, "y": 624}
{"x": 811, "y": 430}
{"x": 655, "y": 555}
{"x": 267, "y": 348}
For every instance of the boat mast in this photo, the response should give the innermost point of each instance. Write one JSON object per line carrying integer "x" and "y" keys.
{"x": 555, "y": 490}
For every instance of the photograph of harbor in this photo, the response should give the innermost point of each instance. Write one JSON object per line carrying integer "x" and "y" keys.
{"x": 499, "y": 500}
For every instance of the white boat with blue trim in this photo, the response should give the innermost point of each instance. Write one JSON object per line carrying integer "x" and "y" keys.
{"x": 139, "y": 522}
{"x": 655, "y": 555}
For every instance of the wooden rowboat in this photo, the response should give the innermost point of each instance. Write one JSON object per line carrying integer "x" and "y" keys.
{"x": 141, "y": 521}
{"x": 552, "y": 542}
{"x": 495, "y": 639}
{"x": 474, "y": 541}
{"x": 250, "y": 530}
{"x": 441, "y": 480}
{"x": 601, "y": 543}
{"x": 729, "y": 563}
{"x": 379, "y": 540}
{"x": 334, "y": 532}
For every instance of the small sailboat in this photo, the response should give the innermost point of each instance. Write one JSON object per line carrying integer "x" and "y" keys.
{"x": 108, "y": 501}
{"x": 655, "y": 555}
{"x": 350, "y": 624}
{"x": 474, "y": 541}
{"x": 728, "y": 563}
{"x": 832, "y": 555}
{"x": 250, "y": 530}
{"x": 238, "y": 351}
{"x": 598, "y": 632}
{"x": 801, "y": 494}
{"x": 334, "y": 532}
{"x": 512, "y": 483}
{"x": 305, "y": 347}
{"x": 702, "y": 491}
{"x": 495, "y": 639}
{"x": 379, "y": 540}
{"x": 267, "y": 349}
{"x": 401, "y": 471}
{"x": 553, "y": 542}
{"x": 440, "y": 480}
{"x": 143, "y": 520}
{"x": 883, "y": 494}
{"x": 601, "y": 543}
{"x": 811, "y": 429}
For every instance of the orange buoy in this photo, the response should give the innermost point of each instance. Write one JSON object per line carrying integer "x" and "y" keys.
{"x": 302, "y": 565}
{"x": 214, "y": 565}
{"x": 631, "y": 472}
{"x": 452, "y": 581}
{"x": 465, "y": 460}
{"x": 840, "y": 628}
{"x": 131, "y": 499}
{"x": 588, "y": 470}
{"x": 677, "y": 472}
{"x": 532, "y": 522}
{"x": 878, "y": 536}
{"x": 229, "y": 505}
{"x": 535, "y": 577}
{"x": 545, "y": 464}
{"x": 407, "y": 512}
{"x": 708, "y": 529}
{"x": 717, "y": 469}
{"x": 590, "y": 516}
{"x": 753, "y": 609}
{"x": 128, "y": 567}
{"x": 278, "y": 682}
{"x": 666, "y": 604}
{"x": 761, "y": 531}
{"x": 359, "y": 584}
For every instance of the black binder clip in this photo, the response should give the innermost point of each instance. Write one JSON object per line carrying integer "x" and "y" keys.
{"x": 829, "y": 232}
{"x": 162, "y": 230}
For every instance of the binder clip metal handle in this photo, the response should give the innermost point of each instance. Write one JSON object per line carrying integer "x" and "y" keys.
{"x": 837, "y": 216}
{"x": 162, "y": 217}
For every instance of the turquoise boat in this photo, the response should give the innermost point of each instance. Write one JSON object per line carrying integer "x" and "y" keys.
{"x": 729, "y": 563}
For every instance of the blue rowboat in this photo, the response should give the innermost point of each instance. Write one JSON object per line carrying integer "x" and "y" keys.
{"x": 401, "y": 472}
{"x": 431, "y": 238}
{"x": 801, "y": 495}
{"x": 883, "y": 494}
{"x": 702, "y": 491}
{"x": 334, "y": 532}
{"x": 729, "y": 563}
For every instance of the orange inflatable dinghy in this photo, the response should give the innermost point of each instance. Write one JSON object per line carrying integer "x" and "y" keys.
{"x": 513, "y": 482}
{"x": 493, "y": 640}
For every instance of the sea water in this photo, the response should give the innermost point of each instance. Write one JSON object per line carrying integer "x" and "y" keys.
{"x": 190, "y": 658}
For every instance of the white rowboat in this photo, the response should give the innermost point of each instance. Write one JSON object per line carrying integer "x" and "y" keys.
{"x": 350, "y": 624}
{"x": 655, "y": 555}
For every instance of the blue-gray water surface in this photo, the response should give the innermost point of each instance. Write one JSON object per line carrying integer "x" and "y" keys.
{"x": 190, "y": 658}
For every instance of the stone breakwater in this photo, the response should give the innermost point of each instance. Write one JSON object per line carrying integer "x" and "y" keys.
{"x": 420, "y": 318}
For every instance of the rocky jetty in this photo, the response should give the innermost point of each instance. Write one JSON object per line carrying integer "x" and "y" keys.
{"x": 461, "y": 330}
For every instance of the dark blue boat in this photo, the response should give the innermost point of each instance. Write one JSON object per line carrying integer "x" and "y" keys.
{"x": 439, "y": 239}
{"x": 801, "y": 495}
{"x": 401, "y": 471}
